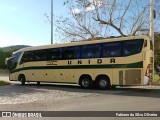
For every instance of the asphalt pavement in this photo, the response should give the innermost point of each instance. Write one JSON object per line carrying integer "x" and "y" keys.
{"x": 53, "y": 97}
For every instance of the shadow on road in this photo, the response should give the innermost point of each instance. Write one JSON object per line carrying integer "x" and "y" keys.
{"x": 138, "y": 92}
{"x": 17, "y": 90}
{"x": 146, "y": 91}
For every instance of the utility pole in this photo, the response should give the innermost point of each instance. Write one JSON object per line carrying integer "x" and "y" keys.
{"x": 51, "y": 21}
{"x": 152, "y": 30}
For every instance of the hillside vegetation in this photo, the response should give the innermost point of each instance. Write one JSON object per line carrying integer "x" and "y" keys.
{"x": 6, "y": 52}
{"x": 13, "y": 48}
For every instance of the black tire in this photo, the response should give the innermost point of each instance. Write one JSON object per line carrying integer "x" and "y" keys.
{"x": 86, "y": 82}
{"x": 103, "y": 83}
{"x": 22, "y": 79}
{"x": 38, "y": 83}
{"x": 113, "y": 86}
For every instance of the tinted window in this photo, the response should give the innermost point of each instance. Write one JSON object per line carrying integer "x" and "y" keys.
{"x": 132, "y": 47}
{"x": 27, "y": 57}
{"x": 77, "y": 52}
{"x": 91, "y": 51}
{"x": 70, "y": 53}
{"x": 39, "y": 55}
{"x": 54, "y": 54}
{"x": 112, "y": 49}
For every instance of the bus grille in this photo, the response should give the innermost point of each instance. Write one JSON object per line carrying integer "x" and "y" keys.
{"x": 133, "y": 77}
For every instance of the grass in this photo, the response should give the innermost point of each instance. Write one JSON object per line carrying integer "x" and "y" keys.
{"x": 156, "y": 79}
{"x": 4, "y": 72}
{"x": 3, "y": 83}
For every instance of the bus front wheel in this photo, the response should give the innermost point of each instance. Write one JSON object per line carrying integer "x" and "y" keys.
{"x": 22, "y": 79}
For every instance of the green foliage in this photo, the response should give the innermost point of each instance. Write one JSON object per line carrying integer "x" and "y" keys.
{"x": 7, "y": 52}
{"x": 3, "y": 56}
{"x": 3, "y": 83}
{"x": 157, "y": 49}
{"x": 2, "y": 59}
{"x": 13, "y": 48}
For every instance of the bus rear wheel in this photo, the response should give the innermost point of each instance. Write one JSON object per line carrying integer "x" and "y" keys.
{"x": 38, "y": 83}
{"x": 103, "y": 83}
{"x": 86, "y": 82}
{"x": 22, "y": 79}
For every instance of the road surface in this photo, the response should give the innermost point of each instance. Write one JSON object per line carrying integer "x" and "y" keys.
{"x": 51, "y": 97}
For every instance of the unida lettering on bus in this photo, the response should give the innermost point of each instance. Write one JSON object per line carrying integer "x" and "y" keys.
{"x": 98, "y": 61}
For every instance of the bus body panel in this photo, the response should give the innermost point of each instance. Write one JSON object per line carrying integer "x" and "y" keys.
{"x": 121, "y": 70}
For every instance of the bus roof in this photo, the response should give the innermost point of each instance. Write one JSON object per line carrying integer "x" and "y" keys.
{"x": 83, "y": 42}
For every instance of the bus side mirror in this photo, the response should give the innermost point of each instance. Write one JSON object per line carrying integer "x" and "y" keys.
{"x": 8, "y": 59}
{"x": 10, "y": 63}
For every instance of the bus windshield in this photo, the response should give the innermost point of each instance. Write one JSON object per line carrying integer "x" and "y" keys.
{"x": 12, "y": 61}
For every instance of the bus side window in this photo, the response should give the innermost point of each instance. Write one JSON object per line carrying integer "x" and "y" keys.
{"x": 40, "y": 55}
{"x": 91, "y": 51}
{"x": 73, "y": 52}
{"x": 85, "y": 52}
{"x": 132, "y": 47}
{"x": 68, "y": 53}
{"x": 112, "y": 49}
{"x": 77, "y": 52}
{"x": 54, "y": 54}
{"x": 27, "y": 57}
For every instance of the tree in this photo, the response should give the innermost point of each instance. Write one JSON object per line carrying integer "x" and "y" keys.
{"x": 2, "y": 59}
{"x": 157, "y": 49}
{"x": 157, "y": 15}
{"x": 103, "y": 18}
{"x": 127, "y": 19}
{"x": 3, "y": 56}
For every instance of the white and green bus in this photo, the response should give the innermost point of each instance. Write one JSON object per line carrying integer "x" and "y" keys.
{"x": 101, "y": 63}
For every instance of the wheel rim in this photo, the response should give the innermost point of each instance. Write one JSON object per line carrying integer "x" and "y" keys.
{"x": 102, "y": 83}
{"x": 85, "y": 82}
{"x": 21, "y": 79}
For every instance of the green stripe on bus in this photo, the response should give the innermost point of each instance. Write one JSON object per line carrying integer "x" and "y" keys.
{"x": 97, "y": 66}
